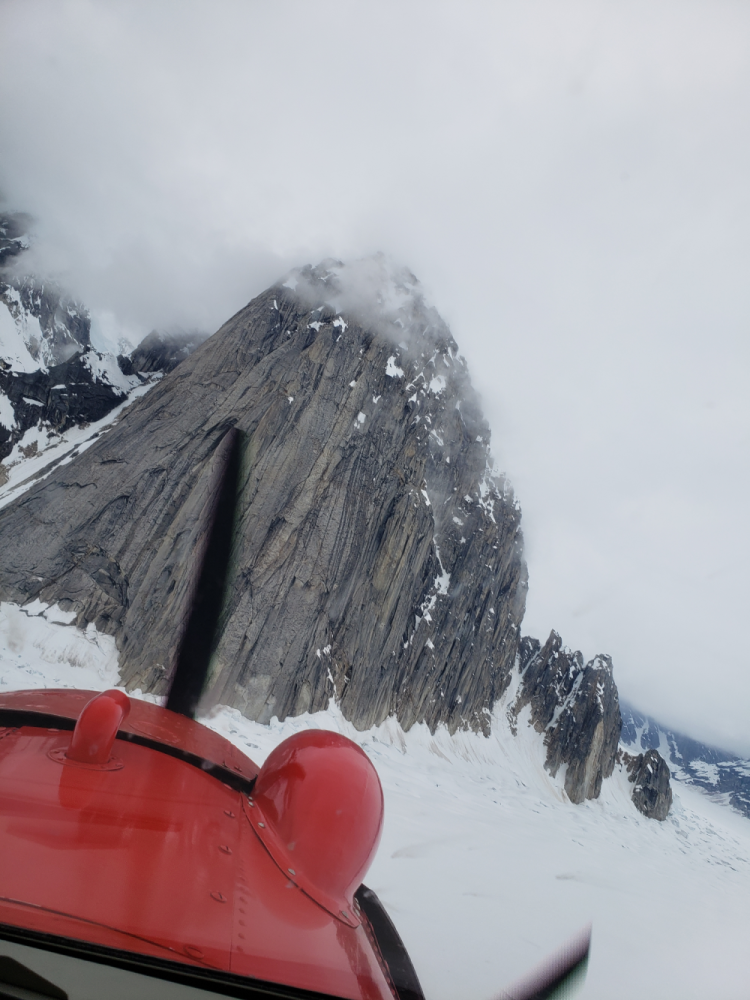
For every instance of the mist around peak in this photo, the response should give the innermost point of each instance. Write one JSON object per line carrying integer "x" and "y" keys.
{"x": 378, "y": 293}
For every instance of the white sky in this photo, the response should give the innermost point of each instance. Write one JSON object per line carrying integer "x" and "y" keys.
{"x": 568, "y": 180}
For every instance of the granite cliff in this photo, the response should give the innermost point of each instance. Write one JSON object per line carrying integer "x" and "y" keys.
{"x": 378, "y": 556}
{"x": 577, "y": 709}
{"x": 379, "y": 560}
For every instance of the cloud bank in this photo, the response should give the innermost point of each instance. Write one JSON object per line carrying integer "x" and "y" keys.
{"x": 569, "y": 183}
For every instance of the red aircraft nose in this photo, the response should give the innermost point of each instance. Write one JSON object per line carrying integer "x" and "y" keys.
{"x": 318, "y": 808}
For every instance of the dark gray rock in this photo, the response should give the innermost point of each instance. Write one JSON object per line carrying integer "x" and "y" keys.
{"x": 649, "y": 773}
{"x": 577, "y": 709}
{"x": 60, "y": 397}
{"x": 378, "y": 560}
{"x": 721, "y": 774}
{"x": 74, "y": 385}
{"x": 57, "y": 327}
{"x": 63, "y": 325}
{"x": 160, "y": 352}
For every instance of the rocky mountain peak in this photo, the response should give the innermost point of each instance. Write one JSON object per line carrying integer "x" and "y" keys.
{"x": 368, "y": 503}
{"x": 720, "y": 774}
{"x": 50, "y": 324}
{"x": 424, "y": 361}
{"x": 52, "y": 381}
{"x": 378, "y": 557}
{"x": 375, "y": 291}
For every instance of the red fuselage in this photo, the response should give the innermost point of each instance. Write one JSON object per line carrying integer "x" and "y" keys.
{"x": 157, "y": 851}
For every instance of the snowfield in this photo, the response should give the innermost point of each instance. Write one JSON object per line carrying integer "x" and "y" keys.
{"x": 484, "y": 865}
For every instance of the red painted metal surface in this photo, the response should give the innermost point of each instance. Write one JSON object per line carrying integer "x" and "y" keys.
{"x": 318, "y": 808}
{"x": 144, "y": 719}
{"x": 96, "y": 729}
{"x": 160, "y": 858}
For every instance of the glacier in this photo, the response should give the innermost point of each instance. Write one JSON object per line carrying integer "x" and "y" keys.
{"x": 485, "y": 865}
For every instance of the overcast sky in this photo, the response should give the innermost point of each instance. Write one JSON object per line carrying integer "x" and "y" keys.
{"x": 570, "y": 182}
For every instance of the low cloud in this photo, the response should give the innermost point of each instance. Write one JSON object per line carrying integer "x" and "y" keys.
{"x": 567, "y": 181}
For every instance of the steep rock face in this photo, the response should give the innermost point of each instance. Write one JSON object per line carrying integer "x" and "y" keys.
{"x": 652, "y": 793}
{"x": 51, "y": 325}
{"x": 378, "y": 559}
{"x": 51, "y": 379}
{"x": 577, "y": 709}
{"x": 78, "y": 391}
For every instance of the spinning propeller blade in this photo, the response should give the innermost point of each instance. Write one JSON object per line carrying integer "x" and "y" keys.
{"x": 198, "y": 640}
{"x": 558, "y": 975}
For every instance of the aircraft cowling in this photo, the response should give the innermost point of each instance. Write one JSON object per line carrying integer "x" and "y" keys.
{"x": 317, "y": 806}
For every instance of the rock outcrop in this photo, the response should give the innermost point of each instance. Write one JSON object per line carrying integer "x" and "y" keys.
{"x": 720, "y": 773}
{"x": 577, "y": 709}
{"x": 378, "y": 561}
{"x": 51, "y": 378}
{"x": 159, "y": 352}
{"x": 79, "y": 391}
{"x": 652, "y": 794}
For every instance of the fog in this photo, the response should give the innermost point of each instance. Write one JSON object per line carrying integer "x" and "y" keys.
{"x": 569, "y": 183}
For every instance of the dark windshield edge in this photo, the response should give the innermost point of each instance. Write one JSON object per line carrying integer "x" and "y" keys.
{"x": 215, "y": 981}
{"x": 391, "y": 947}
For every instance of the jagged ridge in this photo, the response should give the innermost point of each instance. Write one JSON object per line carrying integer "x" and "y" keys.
{"x": 577, "y": 709}
{"x": 51, "y": 379}
{"x": 368, "y": 504}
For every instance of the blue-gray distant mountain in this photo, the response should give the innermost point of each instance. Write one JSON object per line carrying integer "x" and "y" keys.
{"x": 51, "y": 378}
{"x": 725, "y": 776}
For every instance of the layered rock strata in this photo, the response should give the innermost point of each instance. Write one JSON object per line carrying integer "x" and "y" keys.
{"x": 575, "y": 707}
{"x": 378, "y": 559}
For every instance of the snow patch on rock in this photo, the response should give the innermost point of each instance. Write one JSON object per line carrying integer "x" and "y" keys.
{"x": 392, "y": 369}
{"x": 13, "y": 348}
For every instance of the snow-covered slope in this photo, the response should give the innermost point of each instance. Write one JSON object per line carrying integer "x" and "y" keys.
{"x": 40, "y": 325}
{"x": 485, "y": 865}
{"x": 52, "y": 378}
{"x": 723, "y": 775}
{"x": 42, "y": 449}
